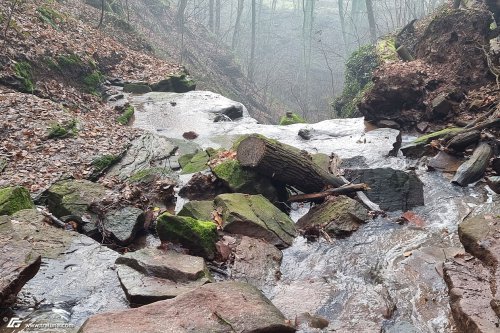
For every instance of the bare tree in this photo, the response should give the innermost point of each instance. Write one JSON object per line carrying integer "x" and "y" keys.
{"x": 217, "y": 16}
{"x": 237, "y": 25}
{"x": 101, "y": 19}
{"x": 251, "y": 65}
{"x": 371, "y": 21}
{"x": 181, "y": 8}
{"x": 211, "y": 15}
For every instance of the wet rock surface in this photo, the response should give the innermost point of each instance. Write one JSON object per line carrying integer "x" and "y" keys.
{"x": 151, "y": 151}
{"x": 215, "y": 307}
{"x": 339, "y": 216}
{"x": 151, "y": 275}
{"x": 18, "y": 263}
{"x": 256, "y": 262}
{"x": 391, "y": 189}
{"x": 124, "y": 224}
{"x": 255, "y": 216}
{"x": 473, "y": 279}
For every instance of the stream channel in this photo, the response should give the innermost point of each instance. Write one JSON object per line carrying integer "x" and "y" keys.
{"x": 385, "y": 277}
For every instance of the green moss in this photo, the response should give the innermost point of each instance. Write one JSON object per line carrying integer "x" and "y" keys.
{"x": 125, "y": 117}
{"x": 176, "y": 83}
{"x": 386, "y": 49}
{"x": 291, "y": 118}
{"x": 23, "y": 71}
{"x": 148, "y": 175}
{"x": 93, "y": 81}
{"x": 436, "y": 135}
{"x": 200, "y": 210}
{"x": 198, "y": 236}
{"x": 103, "y": 162}
{"x": 69, "y": 61}
{"x": 49, "y": 16}
{"x": 359, "y": 68}
{"x": 63, "y": 130}
{"x": 13, "y": 199}
{"x": 197, "y": 163}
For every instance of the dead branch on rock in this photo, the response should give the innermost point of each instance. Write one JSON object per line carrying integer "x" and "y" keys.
{"x": 346, "y": 189}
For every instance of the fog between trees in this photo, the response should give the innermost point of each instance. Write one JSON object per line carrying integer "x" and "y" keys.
{"x": 295, "y": 50}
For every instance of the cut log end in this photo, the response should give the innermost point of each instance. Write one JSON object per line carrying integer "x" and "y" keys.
{"x": 251, "y": 151}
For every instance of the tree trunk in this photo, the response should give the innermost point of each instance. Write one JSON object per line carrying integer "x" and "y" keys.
{"x": 101, "y": 19}
{"x": 237, "y": 24}
{"x": 211, "y": 15}
{"x": 371, "y": 21}
{"x": 285, "y": 164}
{"x": 473, "y": 169}
{"x": 404, "y": 53}
{"x": 251, "y": 65}
{"x": 181, "y": 8}
{"x": 342, "y": 23}
{"x": 464, "y": 139}
{"x": 217, "y": 16}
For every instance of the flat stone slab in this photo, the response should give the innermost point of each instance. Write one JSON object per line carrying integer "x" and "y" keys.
{"x": 124, "y": 224}
{"x": 151, "y": 275}
{"x": 18, "y": 263}
{"x": 215, "y": 307}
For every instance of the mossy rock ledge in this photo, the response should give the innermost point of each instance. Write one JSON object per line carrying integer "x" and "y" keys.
{"x": 200, "y": 210}
{"x": 196, "y": 235}
{"x": 13, "y": 199}
{"x": 255, "y": 216}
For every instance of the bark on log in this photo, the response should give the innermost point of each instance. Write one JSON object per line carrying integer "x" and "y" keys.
{"x": 464, "y": 139}
{"x": 346, "y": 189}
{"x": 473, "y": 169}
{"x": 404, "y": 53}
{"x": 285, "y": 164}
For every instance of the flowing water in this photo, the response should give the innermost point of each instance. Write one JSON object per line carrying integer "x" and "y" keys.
{"x": 385, "y": 277}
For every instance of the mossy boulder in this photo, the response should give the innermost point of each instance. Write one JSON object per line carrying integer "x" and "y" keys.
{"x": 175, "y": 83}
{"x": 241, "y": 180}
{"x": 136, "y": 88}
{"x": 291, "y": 118}
{"x": 13, "y": 199}
{"x": 192, "y": 163}
{"x": 196, "y": 235}
{"x": 255, "y": 216}
{"x": 200, "y": 210}
{"x": 340, "y": 216}
{"x": 73, "y": 197}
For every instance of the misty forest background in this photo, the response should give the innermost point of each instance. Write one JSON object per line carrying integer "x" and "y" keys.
{"x": 294, "y": 51}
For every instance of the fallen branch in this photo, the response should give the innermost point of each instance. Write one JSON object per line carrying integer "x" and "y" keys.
{"x": 54, "y": 219}
{"x": 346, "y": 189}
{"x": 363, "y": 198}
{"x": 473, "y": 169}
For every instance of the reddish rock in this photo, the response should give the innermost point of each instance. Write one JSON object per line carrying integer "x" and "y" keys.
{"x": 216, "y": 307}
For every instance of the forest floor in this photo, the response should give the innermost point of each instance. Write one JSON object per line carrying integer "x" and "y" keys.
{"x": 51, "y": 75}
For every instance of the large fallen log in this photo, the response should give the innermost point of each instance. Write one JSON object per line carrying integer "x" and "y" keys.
{"x": 473, "y": 169}
{"x": 346, "y": 189}
{"x": 285, "y": 164}
{"x": 464, "y": 139}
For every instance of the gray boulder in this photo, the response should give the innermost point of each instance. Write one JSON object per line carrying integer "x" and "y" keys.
{"x": 391, "y": 189}
{"x": 151, "y": 275}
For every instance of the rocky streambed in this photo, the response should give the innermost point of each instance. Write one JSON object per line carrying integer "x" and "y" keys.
{"x": 195, "y": 243}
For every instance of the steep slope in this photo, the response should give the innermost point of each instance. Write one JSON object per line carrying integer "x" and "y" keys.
{"x": 54, "y": 122}
{"x": 208, "y": 61}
